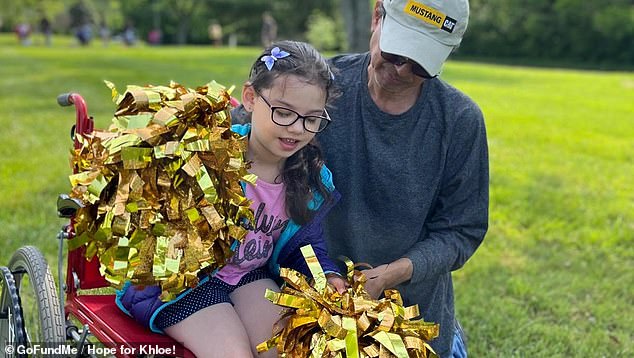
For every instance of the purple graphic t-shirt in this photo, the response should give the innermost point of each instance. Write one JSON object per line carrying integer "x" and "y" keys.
{"x": 269, "y": 221}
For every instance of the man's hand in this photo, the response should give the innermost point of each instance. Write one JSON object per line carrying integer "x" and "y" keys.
{"x": 337, "y": 282}
{"x": 375, "y": 284}
{"x": 387, "y": 276}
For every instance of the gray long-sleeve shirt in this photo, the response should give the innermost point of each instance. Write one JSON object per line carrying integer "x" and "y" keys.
{"x": 413, "y": 185}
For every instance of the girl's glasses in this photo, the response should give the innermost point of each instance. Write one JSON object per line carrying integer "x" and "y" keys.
{"x": 417, "y": 69}
{"x": 286, "y": 117}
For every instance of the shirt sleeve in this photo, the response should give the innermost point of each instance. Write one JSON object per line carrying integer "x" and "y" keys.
{"x": 295, "y": 260}
{"x": 459, "y": 219}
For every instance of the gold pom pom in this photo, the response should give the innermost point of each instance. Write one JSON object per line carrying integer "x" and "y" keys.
{"x": 161, "y": 187}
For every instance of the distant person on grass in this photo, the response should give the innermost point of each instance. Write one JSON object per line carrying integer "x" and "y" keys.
{"x": 104, "y": 33}
{"x": 409, "y": 155}
{"x": 47, "y": 30}
{"x": 23, "y": 31}
{"x": 214, "y": 31}
{"x": 129, "y": 34}
{"x": 227, "y": 315}
{"x": 84, "y": 34}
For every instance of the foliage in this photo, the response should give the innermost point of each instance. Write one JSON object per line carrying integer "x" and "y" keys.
{"x": 588, "y": 31}
{"x": 243, "y": 18}
{"x": 183, "y": 21}
{"x": 175, "y": 18}
{"x": 323, "y": 32}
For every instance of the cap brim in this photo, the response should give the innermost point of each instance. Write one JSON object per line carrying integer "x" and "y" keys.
{"x": 403, "y": 41}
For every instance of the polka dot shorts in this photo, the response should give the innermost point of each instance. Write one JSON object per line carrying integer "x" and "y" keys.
{"x": 212, "y": 292}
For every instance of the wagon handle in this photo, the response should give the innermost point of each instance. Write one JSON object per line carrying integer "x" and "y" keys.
{"x": 64, "y": 99}
{"x": 84, "y": 123}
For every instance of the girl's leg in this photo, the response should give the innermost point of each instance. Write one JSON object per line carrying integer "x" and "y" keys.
{"x": 257, "y": 313}
{"x": 207, "y": 333}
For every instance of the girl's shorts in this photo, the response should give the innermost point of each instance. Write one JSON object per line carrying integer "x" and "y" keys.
{"x": 212, "y": 292}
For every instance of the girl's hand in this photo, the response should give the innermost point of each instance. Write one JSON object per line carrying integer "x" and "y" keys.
{"x": 337, "y": 282}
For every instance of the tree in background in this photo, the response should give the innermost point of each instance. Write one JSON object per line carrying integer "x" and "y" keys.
{"x": 568, "y": 30}
{"x": 175, "y": 19}
{"x": 356, "y": 17}
{"x": 326, "y": 33}
{"x": 565, "y": 31}
{"x": 12, "y": 11}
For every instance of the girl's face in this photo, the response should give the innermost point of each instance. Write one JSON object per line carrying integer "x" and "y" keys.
{"x": 269, "y": 141}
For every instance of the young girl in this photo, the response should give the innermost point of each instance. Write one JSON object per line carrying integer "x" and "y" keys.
{"x": 227, "y": 315}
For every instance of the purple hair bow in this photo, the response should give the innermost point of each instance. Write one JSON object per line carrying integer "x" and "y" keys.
{"x": 275, "y": 55}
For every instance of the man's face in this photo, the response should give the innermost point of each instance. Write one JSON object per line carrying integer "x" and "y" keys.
{"x": 388, "y": 76}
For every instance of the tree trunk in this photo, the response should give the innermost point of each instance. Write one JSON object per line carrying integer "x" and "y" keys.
{"x": 183, "y": 10}
{"x": 183, "y": 29}
{"x": 357, "y": 17}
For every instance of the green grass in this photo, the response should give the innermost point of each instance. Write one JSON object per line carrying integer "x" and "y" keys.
{"x": 554, "y": 275}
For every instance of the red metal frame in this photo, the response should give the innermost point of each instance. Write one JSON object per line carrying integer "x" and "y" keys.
{"x": 105, "y": 320}
{"x": 87, "y": 272}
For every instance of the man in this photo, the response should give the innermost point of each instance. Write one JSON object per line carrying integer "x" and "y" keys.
{"x": 409, "y": 155}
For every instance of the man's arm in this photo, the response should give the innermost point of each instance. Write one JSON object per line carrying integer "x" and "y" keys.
{"x": 387, "y": 276}
{"x": 459, "y": 220}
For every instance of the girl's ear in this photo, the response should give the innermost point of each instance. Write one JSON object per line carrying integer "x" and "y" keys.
{"x": 248, "y": 97}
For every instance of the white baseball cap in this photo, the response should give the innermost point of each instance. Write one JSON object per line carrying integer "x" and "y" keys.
{"x": 425, "y": 31}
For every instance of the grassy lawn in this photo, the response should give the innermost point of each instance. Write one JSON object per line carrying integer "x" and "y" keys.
{"x": 552, "y": 276}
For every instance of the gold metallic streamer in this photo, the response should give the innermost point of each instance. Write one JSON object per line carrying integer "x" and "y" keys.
{"x": 161, "y": 187}
{"x": 315, "y": 268}
{"x": 324, "y": 323}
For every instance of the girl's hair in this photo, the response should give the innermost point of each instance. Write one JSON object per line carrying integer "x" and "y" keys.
{"x": 302, "y": 171}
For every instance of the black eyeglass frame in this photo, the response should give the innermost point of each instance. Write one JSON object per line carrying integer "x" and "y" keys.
{"x": 398, "y": 60}
{"x": 325, "y": 118}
